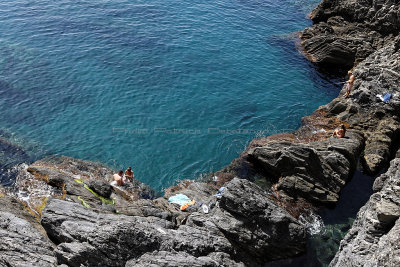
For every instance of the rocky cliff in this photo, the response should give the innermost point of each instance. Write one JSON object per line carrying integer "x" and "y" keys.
{"x": 365, "y": 35}
{"x": 374, "y": 238}
{"x": 23, "y": 239}
{"x": 85, "y": 221}
{"x": 91, "y": 223}
{"x": 309, "y": 164}
{"x": 345, "y": 32}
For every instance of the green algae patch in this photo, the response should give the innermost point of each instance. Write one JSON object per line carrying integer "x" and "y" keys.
{"x": 103, "y": 199}
{"x": 84, "y": 203}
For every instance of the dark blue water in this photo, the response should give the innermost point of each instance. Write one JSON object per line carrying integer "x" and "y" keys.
{"x": 163, "y": 86}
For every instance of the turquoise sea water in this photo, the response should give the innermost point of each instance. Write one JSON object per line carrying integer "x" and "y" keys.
{"x": 173, "y": 88}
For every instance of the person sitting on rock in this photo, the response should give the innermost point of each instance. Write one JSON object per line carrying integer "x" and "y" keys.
{"x": 341, "y": 132}
{"x": 129, "y": 173}
{"x": 118, "y": 178}
{"x": 350, "y": 83}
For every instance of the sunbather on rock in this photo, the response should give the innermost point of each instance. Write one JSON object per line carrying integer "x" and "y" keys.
{"x": 341, "y": 132}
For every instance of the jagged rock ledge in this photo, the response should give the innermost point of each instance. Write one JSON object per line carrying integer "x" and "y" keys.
{"x": 374, "y": 237}
{"x": 345, "y": 32}
{"x": 365, "y": 34}
{"x": 84, "y": 221}
{"x": 309, "y": 165}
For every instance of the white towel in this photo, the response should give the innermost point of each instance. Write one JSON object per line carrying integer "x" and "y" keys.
{"x": 380, "y": 97}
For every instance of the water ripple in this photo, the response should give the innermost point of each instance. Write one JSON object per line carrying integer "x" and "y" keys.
{"x": 111, "y": 81}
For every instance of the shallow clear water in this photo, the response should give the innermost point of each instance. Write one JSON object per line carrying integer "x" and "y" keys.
{"x": 338, "y": 221}
{"x": 159, "y": 85}
{"x": 331, "y": 225}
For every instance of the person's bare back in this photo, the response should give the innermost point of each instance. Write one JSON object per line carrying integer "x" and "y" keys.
{"x": 118, "y": 178}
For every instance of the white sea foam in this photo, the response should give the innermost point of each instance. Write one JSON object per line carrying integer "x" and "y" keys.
{"x": 28, "y": 189}
{"x": 313, "y": 223}
{"x": 319, "y": 131}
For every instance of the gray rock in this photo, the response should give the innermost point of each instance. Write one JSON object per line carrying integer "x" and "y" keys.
{"x": 23, "y": 240}
{"x": 86, "y": 237}
{"x": 378, "y": 122}
{"x": 378, "y": 74}
{"x": 182, "y": 259}
{"x": 245, "y": 225}
{"x": 260, "y": 230}
{"x": 100, "y": 187}
{"x": 331, "y": 50}
{"x": 347, "y": 31}
{"x": 374, "y": 237}
{"x": 145, "y": 208}
{"x": 315, "y": 171}
{"x": 381, "y": 16}
{"x": 83, "y": 182}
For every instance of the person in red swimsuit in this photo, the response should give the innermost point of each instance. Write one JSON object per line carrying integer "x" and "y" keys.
{"x": 129, "y": 173}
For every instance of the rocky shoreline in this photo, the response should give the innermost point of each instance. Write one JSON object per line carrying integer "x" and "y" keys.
{"x": 63, "y": 211}
{"x": 374, "y": 237}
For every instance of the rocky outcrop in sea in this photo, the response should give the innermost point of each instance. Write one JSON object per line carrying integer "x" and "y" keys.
{"x": 345, "y": 32}
{"x": 62, "y": 210}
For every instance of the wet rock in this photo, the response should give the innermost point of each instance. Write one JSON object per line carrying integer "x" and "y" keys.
{"x": 23, "y": 240}
{"x": 374, "y": 237}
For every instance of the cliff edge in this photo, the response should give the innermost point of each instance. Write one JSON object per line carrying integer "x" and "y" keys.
{"x": 86, "y": 221}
